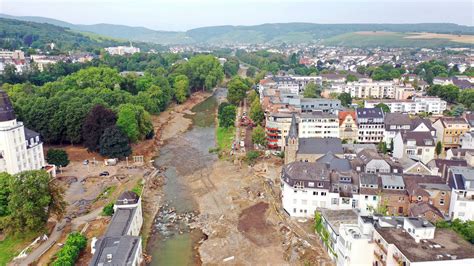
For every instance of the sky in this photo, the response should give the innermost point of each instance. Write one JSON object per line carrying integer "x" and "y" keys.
{"x": 181, "y": 15}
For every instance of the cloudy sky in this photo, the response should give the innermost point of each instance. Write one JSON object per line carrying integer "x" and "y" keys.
{"x": 187, "y": 14}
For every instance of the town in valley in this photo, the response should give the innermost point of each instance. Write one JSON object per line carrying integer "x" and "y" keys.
{"x": 343, "y": 144}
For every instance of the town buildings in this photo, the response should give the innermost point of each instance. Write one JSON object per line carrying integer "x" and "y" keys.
{"x": 461, "y": 180}
{"x": 347, "y": 126}
{"x": 416, "y": 105}
{"x": 21, "y": 149}
{"x": 122, "y": 50}
{"x": 414, "y": 145}
{"x": 318, "y": 124}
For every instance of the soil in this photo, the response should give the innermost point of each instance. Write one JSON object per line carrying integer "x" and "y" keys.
{"x": 253, "y": 224}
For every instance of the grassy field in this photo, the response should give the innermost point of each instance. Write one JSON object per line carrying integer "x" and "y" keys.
{"x": 12, "y": 245}
{"x": 225, "y": 136}
{"x": 393, "y": 39}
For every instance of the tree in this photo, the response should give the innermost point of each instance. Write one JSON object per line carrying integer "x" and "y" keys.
{"x": 108, "y": 209}
{"x": 438, "y": 148}
{"x": 345, "y": 98}
{"x": 237, "y": 89}
{"x": 181, "y": 88}
{"x": 134, "y": 121}
{"x": 312, "y": 90}
{"x": 5, "y": 179}
{"x": 57, "y": 157}
{"x": 227, "y": 117}
{"x": 30, "y": 198}
{"x": 231, "y": 67}
{"x": 384, "y": 107}
{"x": 98, "y": 119}
{"x": 251, "y": 71}
{"x": 458, "y": 110}
{"x": 382, "y": 147}
{"x": 256, "y": 112}
{"x": 258, "y": 136}
{"x": 57, "y": 206}
{"x": 351, "y": 78}
{"x": 114, "y": 143}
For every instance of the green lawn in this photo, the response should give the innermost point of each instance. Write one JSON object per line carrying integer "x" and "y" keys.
{"x": 12, "y": 245}
{"x": 225, "y": 136}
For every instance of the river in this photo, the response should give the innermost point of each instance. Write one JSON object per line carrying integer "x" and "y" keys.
{"x": 173, "y": 242}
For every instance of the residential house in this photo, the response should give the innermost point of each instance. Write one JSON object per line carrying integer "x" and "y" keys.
{"x": 277, "y": 126}
{"x": 394, "y": 123}
{"x": 344, "y": 190}
{"x": 305, "y": 187}
{"x": 370, "y": 161}
{"x": 369, "y": 193}
{"x": 394, "y": 195}
{"x": 461, "y": 180}
{"x": 467, "y": 140}
{"x": 348, "y": 126}
{"x": 370, "y": 124}
{"x": 416, "y": 105}
{"x": 449, "y": 130}
{"x": 414, "y": 145}
{"x": 441, "y": 167}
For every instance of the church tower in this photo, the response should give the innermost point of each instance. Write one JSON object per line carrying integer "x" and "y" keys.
{"x": 291, "y": 147}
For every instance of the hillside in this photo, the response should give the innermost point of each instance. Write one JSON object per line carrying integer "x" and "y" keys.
{"x": 276, "y": 33}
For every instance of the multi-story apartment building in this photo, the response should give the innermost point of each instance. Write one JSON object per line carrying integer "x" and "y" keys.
{"x": 461, "y": 180}
{"x": 277, "y": 126}
{"x": 308, "y": 105}
{"x": 354, "y": 244}
{"x": 21, "y": 149}
{"x": 347, "y": 126}
{"x": 394, "y": 195}
{"x": 449, "y": 130}
{"x": 370, "y": 89}
{"x": 122, "y": 50}
{"x": 394, "y": 123}
{"x": 415, "y": 105}
{"x": 370, "y": 125}
{"x": 318, "y": 124}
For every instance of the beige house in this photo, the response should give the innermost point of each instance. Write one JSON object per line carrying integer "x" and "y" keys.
{"x": 449, "y": 131}
{"x": 347, "y": 126}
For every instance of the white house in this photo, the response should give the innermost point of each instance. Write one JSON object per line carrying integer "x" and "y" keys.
{"x": 414, "y": 145}
{"x": 21, "y": 149}
{"x": 467, "y": 140}
{"x": 461, "y": 180}
{"x": 415, "y": 105}
{"x": 370, "y": 124}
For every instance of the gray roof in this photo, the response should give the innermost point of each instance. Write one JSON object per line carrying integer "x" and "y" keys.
{"x": 397, "y": 119}
{"x": 421, "y": 138}
{"x": 337, "y": 217}
{"x": 320, "y": 146}
{"x": 369, "y": 113}
{"x": 369, "y": 179}
{"x": 120, "y": 222}
{"x": 127, "y": 198}
{"x": 293, "y": 133}
{"x": 121, "y": 249}
{"x": 335, "y": 163}
{"x": 29, "y": 134}
{"x": 417, "y": 121}
{"x": 6, "y": 108}
{"x": 392, "y": 180}
{"x": 306, "y": 172}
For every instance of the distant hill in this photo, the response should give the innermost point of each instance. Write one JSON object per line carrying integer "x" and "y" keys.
{"x": 274, "y": 33}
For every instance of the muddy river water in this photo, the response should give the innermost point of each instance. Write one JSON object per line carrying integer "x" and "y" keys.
{"x": 172, "y": 242}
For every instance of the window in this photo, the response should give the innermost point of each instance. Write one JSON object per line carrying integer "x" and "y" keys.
{"x": 441, "y": 201}
{"x": 400, "y": 209}
{"x": 311, "y": 184}
{"x": 443, "y": 193}
{"x": 294, "y": 210}
{"x": 461, "y": 214}
{"x": 334, "y": 201}
{"x": 420, "y": 198}
{"x": 366, "y": 197}
{"x": 374, "y": 197}
{"x": 323, "y": 193}
{"x": 315, "y": 193}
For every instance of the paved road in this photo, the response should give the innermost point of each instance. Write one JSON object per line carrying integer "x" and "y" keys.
{"x": 55, "y": 235}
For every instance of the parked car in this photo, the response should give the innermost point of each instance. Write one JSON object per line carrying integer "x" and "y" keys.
{"x": 105, "y": 173}
{"x": 85, "y": 162}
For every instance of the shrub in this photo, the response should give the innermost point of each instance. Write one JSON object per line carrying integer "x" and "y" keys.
{"x": 108, "y": 209}
{"x": 70, "y": 251}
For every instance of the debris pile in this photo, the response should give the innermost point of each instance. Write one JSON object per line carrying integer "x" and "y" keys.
{"x": 168, "y": 222}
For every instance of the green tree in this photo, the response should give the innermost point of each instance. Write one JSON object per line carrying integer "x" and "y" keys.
{"x": 258, "y": 136}
{"x": 231, "y": 67}
{"x": 227, "y": 117}
{"x": 252, "y": 156}
{"x": 181, "y": 88}
{"x": 466, "y": 97}
{"x": 134, "y": 121}
{"x": 98, "y": 119}
{"x": 458, "y": 110}
{"x": 384, "y": 107}
{"x": 57, "y": 157}
{"x": 351, "y": 78}
{"x": 438, "y": 148}
{"x": 256, "y": 112}
{"x": 5, "y": 190}
{"x": 382, "y": 146}
{"x": 114, "y": 143}
{"x": 312, "y": 90}
{"x": 251, "y": 71}
{"x": 108, "y": 209}
{"x": 237, "y": 89}
{"x": 30, "y": 198}
{"x": 69, "y": 253}
{"x": 345, "y": 98}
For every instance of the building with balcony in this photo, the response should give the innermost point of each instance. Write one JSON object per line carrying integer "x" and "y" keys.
{"x": 370, "y": 125}
{"x": 318, "y": 124}
{"x": 347, "y": 126}
{"x": 449, "y": 131}
{"x": 461, "y": 181}
{"x": 419, "y": 146}
{"x": 277, "y": 126}
{"x": 415, "y": 105}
